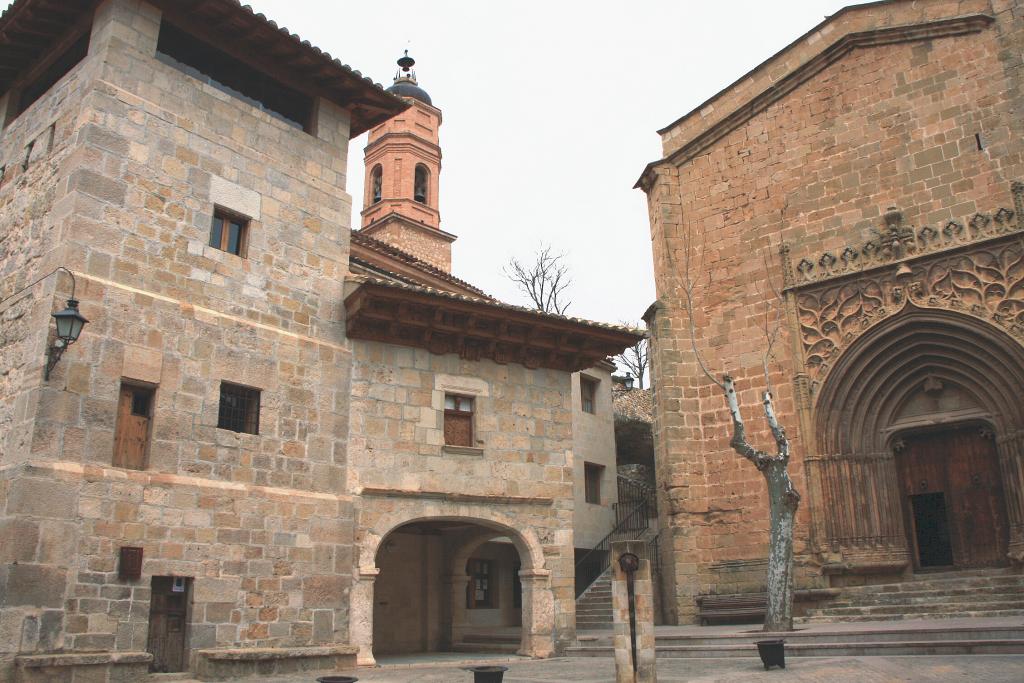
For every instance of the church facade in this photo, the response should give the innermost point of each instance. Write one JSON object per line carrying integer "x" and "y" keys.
{"x": 272, "y": 426}
{"x": 861, "y": 193}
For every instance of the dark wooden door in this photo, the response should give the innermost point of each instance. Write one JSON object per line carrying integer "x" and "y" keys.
{"x": 168, "y": 619}
{"x": 133, "y": 415}
{"x": 953, "y": 499}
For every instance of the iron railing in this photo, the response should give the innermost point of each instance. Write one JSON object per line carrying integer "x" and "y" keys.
{"x": 633, "y": 513}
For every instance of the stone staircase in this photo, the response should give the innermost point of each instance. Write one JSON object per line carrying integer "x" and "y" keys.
{"x": 939, "y": 595}
{"x": 962, "y": 637}
{"x": 594, "y": 606}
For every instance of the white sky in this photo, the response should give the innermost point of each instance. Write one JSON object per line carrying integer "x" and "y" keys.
{"x": 550, "y": 112}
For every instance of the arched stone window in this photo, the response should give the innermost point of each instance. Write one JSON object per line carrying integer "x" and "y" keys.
{"x": 376, "y": 180}
{"x": 422, "y": 184}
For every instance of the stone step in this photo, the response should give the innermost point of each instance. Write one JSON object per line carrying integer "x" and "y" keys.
{"x": 929, "y": 599}
{"x": 491, "y": 638}
{"x": 837, "y": 649}
{"x": 504, "y": 648}
{"x": 929, "y": 633}
{"x": 827, "y": 618}
{"x": 946, "y": 583}
{"x": 910, "y": 609}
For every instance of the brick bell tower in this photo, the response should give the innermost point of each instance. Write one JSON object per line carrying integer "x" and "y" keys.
{"x": 403, "y": 165}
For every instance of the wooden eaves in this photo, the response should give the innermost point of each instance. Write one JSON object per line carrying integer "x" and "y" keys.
{"x": 478, "y": 329}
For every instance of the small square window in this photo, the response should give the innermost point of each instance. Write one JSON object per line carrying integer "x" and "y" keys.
{"x": 588, "y": 394}
{"x": 239, "y": 408}
{"x": 229, "y": 232}
{"x": 458, "y": 420}
{"x": 593, "y": 474}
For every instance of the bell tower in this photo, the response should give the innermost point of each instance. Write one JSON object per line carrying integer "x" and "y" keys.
{"x": 403, "y": 166}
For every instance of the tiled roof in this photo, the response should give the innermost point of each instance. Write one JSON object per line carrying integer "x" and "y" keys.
{"x": 633, "y": 405}
{"x": 493, "y": 303}
{"x": 407, "y": 258}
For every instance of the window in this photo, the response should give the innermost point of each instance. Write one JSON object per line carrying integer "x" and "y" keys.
{"x": 229, "y": 232}
{"x": 131, "y": 438}
{"x": 213, "y": 66}
{"x": 588, "y": 393}
{"x": 482, "y": 591}
{"x": 376, "y": 182}
{"x": 458, "y": 420}
{"x": 239, "y": 408}
{"x": 592, "y": 475}
{"x": 422, "y": 184}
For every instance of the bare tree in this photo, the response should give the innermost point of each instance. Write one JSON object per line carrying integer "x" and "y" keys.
{"x": 544, "y": 281}
{"x": 783, "y": 498}
{"x": 635, "y": 357}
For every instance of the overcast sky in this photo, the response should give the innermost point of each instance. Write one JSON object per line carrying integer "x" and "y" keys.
{"x": 550, "y": 112}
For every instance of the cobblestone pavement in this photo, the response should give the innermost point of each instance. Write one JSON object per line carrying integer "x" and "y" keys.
{"x": 938, "y": 669}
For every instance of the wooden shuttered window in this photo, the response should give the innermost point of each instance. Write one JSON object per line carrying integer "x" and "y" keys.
{"x": 134, "y": 414}
{"x": 229, "y": 233}
{"x": 458, "y": 420}
{"x": 588, "y": 394}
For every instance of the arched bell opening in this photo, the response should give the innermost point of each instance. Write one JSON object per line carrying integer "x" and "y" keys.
{"x": 906, "y": 403}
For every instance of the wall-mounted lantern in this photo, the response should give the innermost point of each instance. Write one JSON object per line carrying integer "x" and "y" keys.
{"x": 69, "y": 321}
{"x": 69, "y": 325}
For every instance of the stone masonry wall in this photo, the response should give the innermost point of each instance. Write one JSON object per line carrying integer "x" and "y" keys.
{"x": 523, "y": 434}
{"x": 889, "y": 125}
{"x": 259, "y": 521}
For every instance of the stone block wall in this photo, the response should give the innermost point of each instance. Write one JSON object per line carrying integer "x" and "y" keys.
{"x": 883, "y": 125}
{"x": 518, "y": 477}
{"x": 124, "y": 196}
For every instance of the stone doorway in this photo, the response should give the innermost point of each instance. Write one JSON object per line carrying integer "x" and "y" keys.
{"x": 952, "y": 496}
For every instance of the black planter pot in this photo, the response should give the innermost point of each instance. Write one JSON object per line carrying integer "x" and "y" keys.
{"x": 487, "y": 674}
{"x": 772, "y": 653}
{"x": 337, "y": 679}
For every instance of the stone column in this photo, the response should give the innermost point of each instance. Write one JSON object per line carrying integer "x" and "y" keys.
{"x": 643, "y": 598}
{"x": 538, "y": 613}
{"x": 361, "y": 615}
{"x": 1011, "y": 461}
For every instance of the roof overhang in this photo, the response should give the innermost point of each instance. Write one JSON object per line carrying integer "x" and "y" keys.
{"x": 441, "y": 322}
{"x": 29, "y": 28}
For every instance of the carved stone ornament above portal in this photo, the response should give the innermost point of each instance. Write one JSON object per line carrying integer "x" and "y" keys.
{"x": 975, "y": 267}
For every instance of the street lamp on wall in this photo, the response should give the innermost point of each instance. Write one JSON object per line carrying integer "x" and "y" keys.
{"x": 69, "y": 322}
{"x": 69, "y": 325}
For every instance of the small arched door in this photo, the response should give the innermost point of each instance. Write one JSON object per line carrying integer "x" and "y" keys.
{"x": 952, "y": 496}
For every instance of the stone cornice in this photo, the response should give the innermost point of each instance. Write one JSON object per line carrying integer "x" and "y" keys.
{"x": 942, "y": 28}
{"x": 406, "y": 221}
{"x": 451, "y": 497}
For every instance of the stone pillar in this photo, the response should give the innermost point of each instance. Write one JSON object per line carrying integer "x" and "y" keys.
{"x": 361, "y": 615}
{"x": 538, "y": 613}
{"x": 643, "y": 597}
{"x": 1011, "y": 461}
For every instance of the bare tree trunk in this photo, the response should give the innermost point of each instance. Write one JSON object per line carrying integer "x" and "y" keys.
{"x": 783, "y": 501}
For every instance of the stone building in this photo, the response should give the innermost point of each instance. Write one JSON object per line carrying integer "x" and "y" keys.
{"x": 868, "y": 173}
{"x": 265, "y": 407}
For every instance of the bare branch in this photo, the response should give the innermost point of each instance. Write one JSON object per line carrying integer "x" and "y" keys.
{"x": 635, "y": 358}
{"x": 544, "y": 281}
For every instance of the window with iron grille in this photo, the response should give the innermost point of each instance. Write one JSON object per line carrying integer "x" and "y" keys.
{"x": 229, "y": 232}
{"x": 482, "y": 591}
{"x": 458, "y": 420}
{"x": 592, "y": 474}
{"x": 239, "y": 408}
{"x": 588, "y": 393}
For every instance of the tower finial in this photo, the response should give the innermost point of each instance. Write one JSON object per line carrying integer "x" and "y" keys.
{"x": 405, "y": 62}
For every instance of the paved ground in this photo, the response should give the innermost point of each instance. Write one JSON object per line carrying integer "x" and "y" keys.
{"x": 943, "y": 669}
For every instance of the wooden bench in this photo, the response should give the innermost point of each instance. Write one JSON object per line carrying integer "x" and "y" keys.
{"x": 750, "y": 605}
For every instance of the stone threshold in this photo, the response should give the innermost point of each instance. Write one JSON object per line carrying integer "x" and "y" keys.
{"x": 82, "y": 659}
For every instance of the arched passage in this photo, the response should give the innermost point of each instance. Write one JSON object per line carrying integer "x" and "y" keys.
{"x": 427, "y": 582}
{"x": 889, "y": 400}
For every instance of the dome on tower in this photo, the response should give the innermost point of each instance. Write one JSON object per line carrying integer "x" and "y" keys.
{"x": 405, "y": 81}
